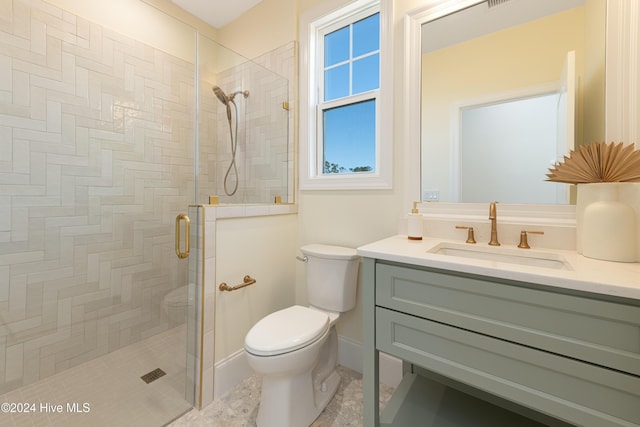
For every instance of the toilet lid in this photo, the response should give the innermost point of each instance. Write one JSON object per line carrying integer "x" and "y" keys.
{"x": 177, "y": 297}
{"x": 286, "y": 330}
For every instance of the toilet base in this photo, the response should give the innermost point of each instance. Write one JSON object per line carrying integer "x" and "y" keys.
{"x": 324, "y": 397}
{"x": 297, "y": 401}
{"x": 280, "y": 409}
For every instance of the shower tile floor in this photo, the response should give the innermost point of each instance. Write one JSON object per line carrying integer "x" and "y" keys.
{"x": 112, "y": 388}
{"x": 239, "y": 407}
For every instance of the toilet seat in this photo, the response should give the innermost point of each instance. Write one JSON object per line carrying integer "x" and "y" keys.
{"x": 177, "y": 297}
{"x": 286, "y": 330}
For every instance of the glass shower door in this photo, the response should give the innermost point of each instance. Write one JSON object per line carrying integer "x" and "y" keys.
{"x": 97, "y": 158}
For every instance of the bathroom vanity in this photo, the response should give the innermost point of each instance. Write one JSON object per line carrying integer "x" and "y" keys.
{"x": 489, "y": 334}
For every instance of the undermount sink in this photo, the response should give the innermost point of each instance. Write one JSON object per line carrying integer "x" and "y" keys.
{"x": 507, "y": 255}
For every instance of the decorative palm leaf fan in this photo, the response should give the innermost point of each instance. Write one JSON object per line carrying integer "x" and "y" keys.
{"x": 598, "y": 162}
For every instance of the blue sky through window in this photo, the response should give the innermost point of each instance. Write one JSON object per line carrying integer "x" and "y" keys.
{"x": 350, "y": 137}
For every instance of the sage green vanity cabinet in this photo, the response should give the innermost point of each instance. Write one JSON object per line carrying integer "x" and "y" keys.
{"x": 570, "y": 355}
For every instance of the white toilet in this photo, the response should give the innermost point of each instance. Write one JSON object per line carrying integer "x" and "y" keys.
{"x": 295, "y": 349}
{"x": 176, "y": 305}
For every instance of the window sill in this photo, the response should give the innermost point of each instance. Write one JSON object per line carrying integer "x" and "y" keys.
{"x": 346, "y": 182}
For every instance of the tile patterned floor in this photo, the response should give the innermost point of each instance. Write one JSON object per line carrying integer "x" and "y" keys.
{"x": 239, "y": 407}
{"x": 112, "y": 388}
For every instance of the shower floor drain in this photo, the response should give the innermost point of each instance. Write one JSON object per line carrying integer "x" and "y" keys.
{"x": 153, "y": 375}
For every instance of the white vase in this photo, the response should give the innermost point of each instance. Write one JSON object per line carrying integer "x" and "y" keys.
{"x": 607, "y": 226}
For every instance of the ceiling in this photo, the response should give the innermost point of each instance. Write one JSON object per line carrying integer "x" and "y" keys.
{"x": 216, "y": 13}
{"x": 484, "y": 19}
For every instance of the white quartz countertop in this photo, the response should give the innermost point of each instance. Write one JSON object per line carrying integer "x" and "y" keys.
{"x": 585, "y": 274}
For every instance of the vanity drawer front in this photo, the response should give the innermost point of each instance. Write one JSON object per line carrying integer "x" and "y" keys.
{"x": 570, "y": 390}
{"x": 601, "y": 332}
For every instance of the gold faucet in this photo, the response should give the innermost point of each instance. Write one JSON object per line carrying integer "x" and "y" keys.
{"x": 493, "y": 216}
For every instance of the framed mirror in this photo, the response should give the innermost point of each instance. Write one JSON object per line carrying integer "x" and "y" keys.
{"x": 505, "y": 89}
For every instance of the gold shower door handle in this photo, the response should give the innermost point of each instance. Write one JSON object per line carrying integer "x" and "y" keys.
{"x": 187, "y": 230}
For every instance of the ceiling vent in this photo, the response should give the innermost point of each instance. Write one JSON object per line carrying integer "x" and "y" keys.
{"x": 494, "y": 3}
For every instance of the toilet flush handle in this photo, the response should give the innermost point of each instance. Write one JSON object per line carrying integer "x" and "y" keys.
{"x": 302, "y": 258}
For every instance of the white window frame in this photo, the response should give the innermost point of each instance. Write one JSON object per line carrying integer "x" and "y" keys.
{"x": 313, "y": 25}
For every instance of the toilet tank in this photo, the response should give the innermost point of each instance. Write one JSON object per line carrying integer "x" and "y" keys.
{"x": 332, "y": 276}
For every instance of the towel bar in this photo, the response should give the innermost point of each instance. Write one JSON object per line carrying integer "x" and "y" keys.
{"x": 248, "y": 280}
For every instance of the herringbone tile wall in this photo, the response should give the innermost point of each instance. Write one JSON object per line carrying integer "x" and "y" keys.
{"x": 96, "y": 160}
{"x": 282, "y": 62}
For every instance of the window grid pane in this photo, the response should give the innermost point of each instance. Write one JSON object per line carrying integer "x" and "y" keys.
{"x": 336, "y": 82}
{"x": 365, "y": 74}
{"x": 336, "y": 47}
{"x": 366, "y": 35}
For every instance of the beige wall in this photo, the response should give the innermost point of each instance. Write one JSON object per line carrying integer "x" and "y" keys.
{"x": 593, "y": 84}
{"x": 265, "y": 248}
{"x": 267, "y": 26}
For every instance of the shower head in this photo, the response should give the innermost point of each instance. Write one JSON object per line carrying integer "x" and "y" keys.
{"x": 224, "y": 99}
{"x": 227, "y": 100}
{"x": 221, "y": 95}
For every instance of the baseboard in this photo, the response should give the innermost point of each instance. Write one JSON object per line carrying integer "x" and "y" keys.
{"x": 233, "y": 369}
{"x": 229, "y": 372}
{"x": 350, "y": 356}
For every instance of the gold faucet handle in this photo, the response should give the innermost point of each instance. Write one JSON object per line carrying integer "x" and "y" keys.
{"x": 524, "y": 244}
{"x": 470, "y": 235}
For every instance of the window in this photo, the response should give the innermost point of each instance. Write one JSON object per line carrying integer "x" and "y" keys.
{"x": 349, "y": 87}
{"x": 343, "y": 144}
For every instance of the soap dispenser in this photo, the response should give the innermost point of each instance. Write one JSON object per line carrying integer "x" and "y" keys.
{"x": 414, "y": 223}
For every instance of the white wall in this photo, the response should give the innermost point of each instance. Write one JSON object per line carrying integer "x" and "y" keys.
{"x": 263, "y": 247}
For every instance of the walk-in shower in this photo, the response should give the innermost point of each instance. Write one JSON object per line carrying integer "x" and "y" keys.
{"x": 232, "y": 170}
{"x": 105, "y": 136}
